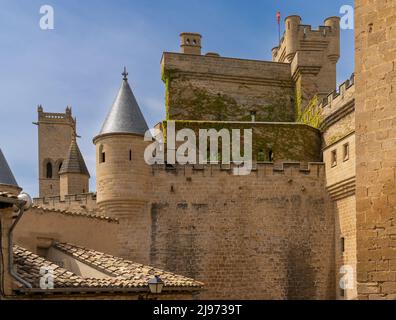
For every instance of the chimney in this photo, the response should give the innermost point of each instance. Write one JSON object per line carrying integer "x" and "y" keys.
{"x": 190, "y": 43}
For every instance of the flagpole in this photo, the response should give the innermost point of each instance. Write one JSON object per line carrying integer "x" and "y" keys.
{"x": 278, "y": 15}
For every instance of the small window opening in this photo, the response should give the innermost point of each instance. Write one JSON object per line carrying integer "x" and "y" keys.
{"x": 346, "y": 152}
{"x": 102, "y": 155}
{"x": 130, "y": 155}
{"x": 49, "y": 170}
{"x": 334, "y": 158}
{"x": 261, "y": 156}
{"x": 342, "y": 244}
{"x": 270, "y": 156}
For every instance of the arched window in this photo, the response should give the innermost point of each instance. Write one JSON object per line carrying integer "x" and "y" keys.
{"x": 60, "y": 166}
{"x": 48, "y": 169}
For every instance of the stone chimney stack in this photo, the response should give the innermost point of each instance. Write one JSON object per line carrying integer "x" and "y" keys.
{"x": 190, "y": 43}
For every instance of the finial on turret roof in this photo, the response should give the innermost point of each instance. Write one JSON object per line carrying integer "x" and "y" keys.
{"x": 125, "y": 74}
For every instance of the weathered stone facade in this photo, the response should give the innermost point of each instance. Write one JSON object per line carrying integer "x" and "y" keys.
{"x": 376, "y": 148}
{"x": 55, "y": 131}
{"x": 291, "y": 225}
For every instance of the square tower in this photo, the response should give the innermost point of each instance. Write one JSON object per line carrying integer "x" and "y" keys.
{"x": 55, "y": 132}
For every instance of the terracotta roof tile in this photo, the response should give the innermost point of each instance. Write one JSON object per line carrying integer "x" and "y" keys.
{"x": 122, "y": 273}
{"x": 76, "y": 214}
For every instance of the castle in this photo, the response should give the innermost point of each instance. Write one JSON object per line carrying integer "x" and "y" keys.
{"x": 286, "y": 231}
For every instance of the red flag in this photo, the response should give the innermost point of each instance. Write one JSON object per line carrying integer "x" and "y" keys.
{"x": 278, "y": 16}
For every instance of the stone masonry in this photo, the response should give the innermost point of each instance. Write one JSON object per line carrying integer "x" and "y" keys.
{"x": 376, "y": 148}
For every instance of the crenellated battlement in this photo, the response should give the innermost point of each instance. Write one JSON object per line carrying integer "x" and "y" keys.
{"x": 57, "y": 117}
{"x": 338, "y": 104}
{"x": 314, "y": 169}
{"x": 335, "y": 97}
{"x": 78, "y": 203}
{"x": 303, "y": 37}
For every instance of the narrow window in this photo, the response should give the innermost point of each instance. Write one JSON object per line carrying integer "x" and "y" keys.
{"x": 271, "y": 156}
{"x": 342, "y": 293}
{"x": 49, "y": 170}
{"x": 60, "y": 166}
{"x": 333, "y": 158}
{"x": 346, "y": 152}
{"x": 102, "y": 155}
{"x": 342, "y": 244}
{"x": 130, "y": 155}
{"x": 261, "y": 156}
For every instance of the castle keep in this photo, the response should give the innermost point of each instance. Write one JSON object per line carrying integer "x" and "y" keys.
{"x": 288, "y": 228}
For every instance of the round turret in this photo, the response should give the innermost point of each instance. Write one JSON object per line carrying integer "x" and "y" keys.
{"x": 334, "y": 46}
{"x": 292, "y": 24}
{"x": 121, "y": 172}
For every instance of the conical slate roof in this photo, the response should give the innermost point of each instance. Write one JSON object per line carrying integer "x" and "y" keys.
{"x": 6, "y": 176}
{"x": 74, "y": 162}
{"x": 125, "y": 115}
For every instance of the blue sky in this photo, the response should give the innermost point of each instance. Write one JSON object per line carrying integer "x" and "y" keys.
{"x": 79, "y": 63}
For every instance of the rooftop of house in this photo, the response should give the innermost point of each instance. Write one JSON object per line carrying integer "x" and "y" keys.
{"x": 78, "y": 269}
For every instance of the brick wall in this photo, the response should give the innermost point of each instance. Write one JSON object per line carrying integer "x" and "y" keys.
{"x": 376, "y": 148}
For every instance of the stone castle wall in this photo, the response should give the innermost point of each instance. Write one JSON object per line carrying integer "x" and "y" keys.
{"x": 273, "y": 228}
{"x": 226, "y": 89}
{"x": 376, "y": 148}
{"x": 39, "y": 227}
{"x": 287, "y": 142}
{"x": 76, "y": 203}
{"x": 339, "y": 155}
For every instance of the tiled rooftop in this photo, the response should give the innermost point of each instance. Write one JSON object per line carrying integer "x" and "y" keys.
{"x": 76, "y": 214}
{"x": 123, "y": 274}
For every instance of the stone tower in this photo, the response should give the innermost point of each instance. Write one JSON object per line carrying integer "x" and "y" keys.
{"x": 74, "y": 175}
{"x": 190, "y": 43}
{"x": 122, "y": 176}
{"x": 375, "y": 58}
{"x": 313, "y": 55}
{"x": 55, "y": 131}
